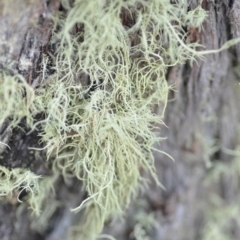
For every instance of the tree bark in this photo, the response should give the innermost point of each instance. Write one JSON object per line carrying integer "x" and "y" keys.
{"x": 202, "y": 119}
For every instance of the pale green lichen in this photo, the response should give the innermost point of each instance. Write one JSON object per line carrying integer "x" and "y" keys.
{"x": 144, "y": 223}
{"x": 105, "y": 136}
{"x": 14, "y": 182}
{"x": 99, "y": 106}
{"x": 16, "y": 99}
{"x": 222, "y": 220}
{"x": 18, "y": 180}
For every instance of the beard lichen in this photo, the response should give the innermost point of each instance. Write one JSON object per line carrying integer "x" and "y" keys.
{"x": 18, "y": 180}
{"x": 110, "y": 69}
{"x": 16, "y": 99}
{"x": 99, "y": 107}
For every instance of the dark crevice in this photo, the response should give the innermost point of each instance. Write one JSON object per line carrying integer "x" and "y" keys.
{"x": 185, "y": 79}
{"x": 230, "y": 3}
{"x": 19, "y": 154}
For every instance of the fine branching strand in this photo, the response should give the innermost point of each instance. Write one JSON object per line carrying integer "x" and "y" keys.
{"x": 102, "y": 131}
{"x": 16, "y": 99}
{"x": 19, "y": 180}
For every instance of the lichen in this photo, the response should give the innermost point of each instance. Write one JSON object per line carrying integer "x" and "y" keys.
{"x": 98, "y": 107}
{"x": 19, "y": 180}
{"x": 102, "y": 131}
{"x": 16, "y": 99}
{"x": 222, "y": 219}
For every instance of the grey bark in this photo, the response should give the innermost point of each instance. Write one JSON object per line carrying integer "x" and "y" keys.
{"x": 203, "y": 112}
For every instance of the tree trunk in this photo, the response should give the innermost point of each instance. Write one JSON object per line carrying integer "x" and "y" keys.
{"x": 200, "y": 200}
